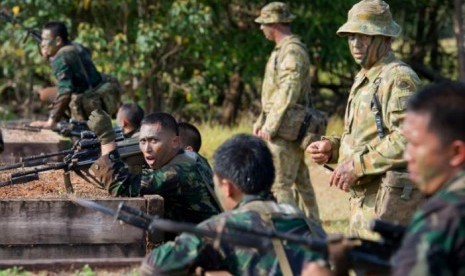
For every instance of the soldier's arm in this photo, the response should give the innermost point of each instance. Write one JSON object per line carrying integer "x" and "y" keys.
{"x": 387, "y": 153}
{"x": 114, "y": 176}
{"x": 290, "y": 74}
{"x": 182, "y": 256}
{"x": 431, "y": 244}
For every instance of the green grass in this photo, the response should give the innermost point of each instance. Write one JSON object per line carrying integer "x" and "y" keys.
{"x": 214, "y": 135}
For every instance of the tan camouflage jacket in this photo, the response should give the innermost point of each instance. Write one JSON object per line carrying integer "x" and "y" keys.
{"x": 360, "y": 141}
{"x": 286, "y": 82}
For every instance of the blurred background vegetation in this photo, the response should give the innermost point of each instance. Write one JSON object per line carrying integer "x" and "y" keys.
{"x": 203, "y": 60}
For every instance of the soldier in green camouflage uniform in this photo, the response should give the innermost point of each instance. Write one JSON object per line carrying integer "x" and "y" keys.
{"x": 286, "y": 83}
{"x": 435, "y": 240}
{"x": 76, "y": 74}
{"x": 243, "y": 175}
{"x": 367, "y": 150}
{"x": 129, "y": 117}
{"x": 178, "y": 178}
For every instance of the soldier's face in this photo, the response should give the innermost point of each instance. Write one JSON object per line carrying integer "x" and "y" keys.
{"x": 366, "y": 50}
{"x": 268, "y": 30}
{"x": 157, "y": 145}
{"x": 427, "y": 159}
{"x": 50, "y": 44}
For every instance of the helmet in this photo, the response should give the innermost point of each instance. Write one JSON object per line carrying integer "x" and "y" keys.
{"x": 275, "y": 12}
{"x": 370, "y": 17}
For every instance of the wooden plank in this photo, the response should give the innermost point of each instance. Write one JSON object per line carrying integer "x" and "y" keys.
{"x": 73, "y": 251}
{"x": 60, "y": 221}
{"x": 61, "y": 264}
{"x": 155, "y": 207}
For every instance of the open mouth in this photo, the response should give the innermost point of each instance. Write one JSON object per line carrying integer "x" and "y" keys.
{"x": 149, "y": 159}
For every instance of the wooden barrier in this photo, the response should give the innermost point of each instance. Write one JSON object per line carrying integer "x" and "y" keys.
{"x": 42, "y": 231}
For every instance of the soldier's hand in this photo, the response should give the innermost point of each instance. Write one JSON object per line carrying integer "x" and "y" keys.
{"x": 100, "y": 123}
{"x": 320, "y": 151}
{"x": 343, "y": 176}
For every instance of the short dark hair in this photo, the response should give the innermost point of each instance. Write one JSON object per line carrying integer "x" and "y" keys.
{"x": 190, "y": 136}
{"x": 164, "y": 119}
{"x": 247, "y": 162}
{"x": 444, "y": 102}
{"x": 133, "y": 113}
{"x": 58, "y": 28}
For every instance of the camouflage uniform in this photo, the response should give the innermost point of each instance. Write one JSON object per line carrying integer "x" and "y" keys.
{"x": 435, "y": 240}
{"x": 285, "y": 84}
{"x": 393, "y": 82}
{"x": 180, "y": 182}
{"x": 75, "y": 73}
{"x": 188, "y": 251}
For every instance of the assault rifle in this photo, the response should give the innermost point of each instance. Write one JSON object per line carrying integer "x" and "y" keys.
{"x": 367, "y": 255}
{"x": 78, "y": 158}
{"x": 36, "y": 35}
{"x": 74, "y": 128}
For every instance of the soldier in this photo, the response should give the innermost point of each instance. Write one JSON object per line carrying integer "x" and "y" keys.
{"x": 190, "y": 137}
{"x": 188, "y": 195}
{"x": 286, "y": 85}
{"x": 369, "y": 153}
{"x": 435, "y": 241}
{"x": 129, "y": 117}
{"x": 81, "y": 88}
{"x": 243, "y": 175}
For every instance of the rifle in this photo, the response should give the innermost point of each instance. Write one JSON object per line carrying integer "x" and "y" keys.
{"x": 74, "y": 128}
{"x": 367, "y": 255}
{"x": 78, "y": 158}
{"x": 36, "y": 35}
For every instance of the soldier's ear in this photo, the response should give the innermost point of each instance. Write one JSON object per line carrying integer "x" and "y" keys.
{"x": 58, "y": 41}
{"x": 458, "y": 153}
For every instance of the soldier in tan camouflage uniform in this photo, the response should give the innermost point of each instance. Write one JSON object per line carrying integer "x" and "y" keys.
{"x": 369, "y": 153}
{"x": 285, "y": 84}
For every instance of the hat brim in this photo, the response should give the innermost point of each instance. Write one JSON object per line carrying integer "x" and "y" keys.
{"x": 265, "y": 20}
{"x": 392, "y": 30}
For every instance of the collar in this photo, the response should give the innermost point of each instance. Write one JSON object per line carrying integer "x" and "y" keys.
{"x": 284, "y": 41}
{"x": 456, "y": 183}
{"x": 262, "y": 196}
{"x": 374, "y": 71}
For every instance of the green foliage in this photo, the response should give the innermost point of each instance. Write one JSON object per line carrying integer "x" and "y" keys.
{"x": 178, "y": 55}
{"x": 14, "y": 271}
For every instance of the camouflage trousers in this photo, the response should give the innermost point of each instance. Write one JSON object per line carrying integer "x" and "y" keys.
{"x": 362, "y": 210}
{"x": 388, "y": 198}
{"x": 292, "y": 183}
{"x": 82, "y": 105}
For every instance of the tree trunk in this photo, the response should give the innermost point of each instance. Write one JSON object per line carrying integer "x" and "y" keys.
{"x": 458, "y": 29}
{"x": 232, "y": 100}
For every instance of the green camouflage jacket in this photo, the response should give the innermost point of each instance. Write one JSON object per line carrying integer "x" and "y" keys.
{"x": 286, "y": 83}
{"x": 181, "y": 182}
{"x": 435, "y": 240}
{"x": 188, "y": 252}
{"x": 67, "y": 68}
{"x": 360, "y": 141}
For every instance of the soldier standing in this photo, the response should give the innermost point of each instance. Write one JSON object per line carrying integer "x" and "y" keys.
{"x": 286, "y": 83}
{"x": 77, "y": 77}
{"x": 369, "y": 153}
